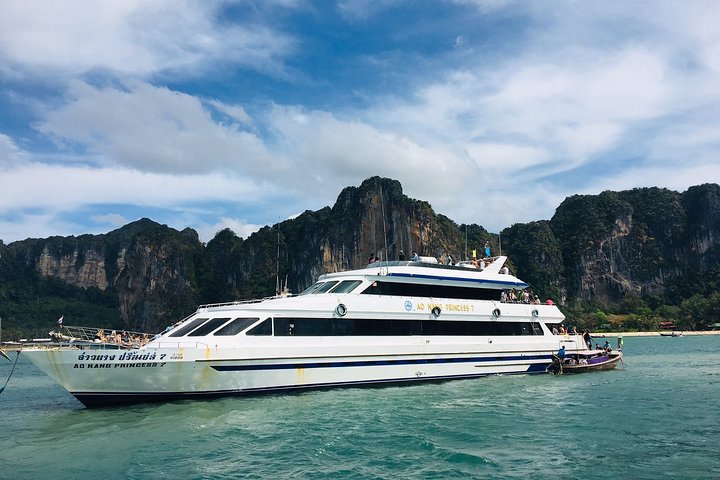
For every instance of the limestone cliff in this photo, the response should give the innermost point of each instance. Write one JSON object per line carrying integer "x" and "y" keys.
{"x": 636, "y": 242}
{"x": 596, "y": 248}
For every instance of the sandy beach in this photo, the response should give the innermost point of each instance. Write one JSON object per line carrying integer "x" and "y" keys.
{"x": 651, "y": 334}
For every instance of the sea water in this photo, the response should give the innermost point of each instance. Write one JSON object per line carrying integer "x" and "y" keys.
{"x": 658, "y": 416}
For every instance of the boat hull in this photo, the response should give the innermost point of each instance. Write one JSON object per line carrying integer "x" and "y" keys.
{"x": 100, "y": 378}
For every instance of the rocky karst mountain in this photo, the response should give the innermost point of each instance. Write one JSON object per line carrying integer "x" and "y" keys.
{"x": 596, "y": 249}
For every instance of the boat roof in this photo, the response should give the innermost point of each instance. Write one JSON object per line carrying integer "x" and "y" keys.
{"x": 432, "y": 272}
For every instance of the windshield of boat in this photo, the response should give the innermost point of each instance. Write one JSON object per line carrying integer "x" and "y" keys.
{"x": 333, "y": 286}
{"x": 345, "y": 286}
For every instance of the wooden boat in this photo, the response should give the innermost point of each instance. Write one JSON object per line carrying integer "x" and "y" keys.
{"x": 587, "y": 361}
{"x": 671, "y": 334}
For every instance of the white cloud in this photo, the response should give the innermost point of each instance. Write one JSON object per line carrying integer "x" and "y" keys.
{"x": 61, "y": 188}
{"x": 135, "y": 37}
{"x": 42, "y": 225}
{"x": 10, "y": 154}
{"x": 484, "y": 139}
{"x": 239, "y": 226}
{"x": 155, "y": 129}
{"x": 113, "y": 219}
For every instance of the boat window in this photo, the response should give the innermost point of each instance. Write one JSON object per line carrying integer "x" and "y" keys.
{"x": 537, "y": 328}
{"x": 208, "y": 327}
{"x": 236, "y": 326}
{"x": 346, "y": 286}
{"x": 314, "y": 327}
{"x": 437, "y": 291}
{"x": 311, "y": 288}
{"x": 325, "y": 287}
{"x": 189, "y": 327}
{"x": 264, "y": 328}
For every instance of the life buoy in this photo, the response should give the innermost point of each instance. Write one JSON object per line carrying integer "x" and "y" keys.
{"x": 535, "y": 312}
{"x": 496, "y": 313}
{"x": 341, "y": 310}
{"x": 436, "y": 311}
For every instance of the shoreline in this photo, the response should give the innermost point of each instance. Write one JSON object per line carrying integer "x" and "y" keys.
{"x": 652, "y": 334}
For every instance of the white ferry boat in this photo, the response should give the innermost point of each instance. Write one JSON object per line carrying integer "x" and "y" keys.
{"x": 391, "y": 322}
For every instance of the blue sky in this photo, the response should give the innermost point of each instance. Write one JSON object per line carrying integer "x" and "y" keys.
{"x": 241, "y": 114}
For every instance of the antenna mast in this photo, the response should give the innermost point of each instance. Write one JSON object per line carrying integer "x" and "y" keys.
{"x": 382, "y": 210}
{"x": 277, "y": 264}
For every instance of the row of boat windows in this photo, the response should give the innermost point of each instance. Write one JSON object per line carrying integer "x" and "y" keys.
{"x": 405, "y": 290}
{"x": 334, "y": 286}
{"x": 336, "y": 327}
{"x": 436, "y": 291}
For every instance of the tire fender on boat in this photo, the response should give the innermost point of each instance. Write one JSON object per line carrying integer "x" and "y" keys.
{"x": 535, "y": 312}
{"x": 341, "y": 309}
{"x": 496, "y": 313}
{"x": 436, "y": 311}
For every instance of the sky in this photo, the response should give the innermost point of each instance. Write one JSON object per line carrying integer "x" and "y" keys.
{"x": 239, "y": 114}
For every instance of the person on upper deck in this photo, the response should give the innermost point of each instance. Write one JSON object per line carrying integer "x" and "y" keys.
{"x": 401, "y": 257}
{"x": 414, "y": 257}
{"x": 487, "y": 249}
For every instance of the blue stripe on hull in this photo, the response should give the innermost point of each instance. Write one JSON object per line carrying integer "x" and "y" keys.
{"x": 459, "y": 279}
{"x": 373, "y": 363}
{"x": 104, "y": 399}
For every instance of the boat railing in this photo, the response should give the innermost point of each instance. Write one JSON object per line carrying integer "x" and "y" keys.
{"x": 99, "y": 337}
{"x": 177, "y": 345}
{"x": 463, "y": 265}
{"x": 242, "y": 302}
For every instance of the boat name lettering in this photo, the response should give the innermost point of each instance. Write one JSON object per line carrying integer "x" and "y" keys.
{"x": 449, "y": 307}
{"x": 130, "y": 356}
{"x": 120, "y": 365}
{"x": 87, "y": 356}
{"x": 458, "y": 307}
{"x": 127, "y": 357}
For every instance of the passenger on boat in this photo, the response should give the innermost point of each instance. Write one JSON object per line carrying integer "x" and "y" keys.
{"x": 414, "y": 257}
{"x": 607, "y": 347}
{"x": 549, "y": 301}
{"x": 487, "y": 248}
{"x": 554, "y": 330}
{"x": 525, "y": 296}
{"x": 587, "y": 338}
{"x": 449, "y": 260}
{"x": 561, "y": 353}
{"x": 401, "y": 257}
{"x": 100, "y": 336}
{"x": 505, "y": 270}
{"x": 536, "y": 300}
{"x": 503, "y": 296}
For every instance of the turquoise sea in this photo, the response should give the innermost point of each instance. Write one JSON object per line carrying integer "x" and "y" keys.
{"x": 657, "y": 417}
